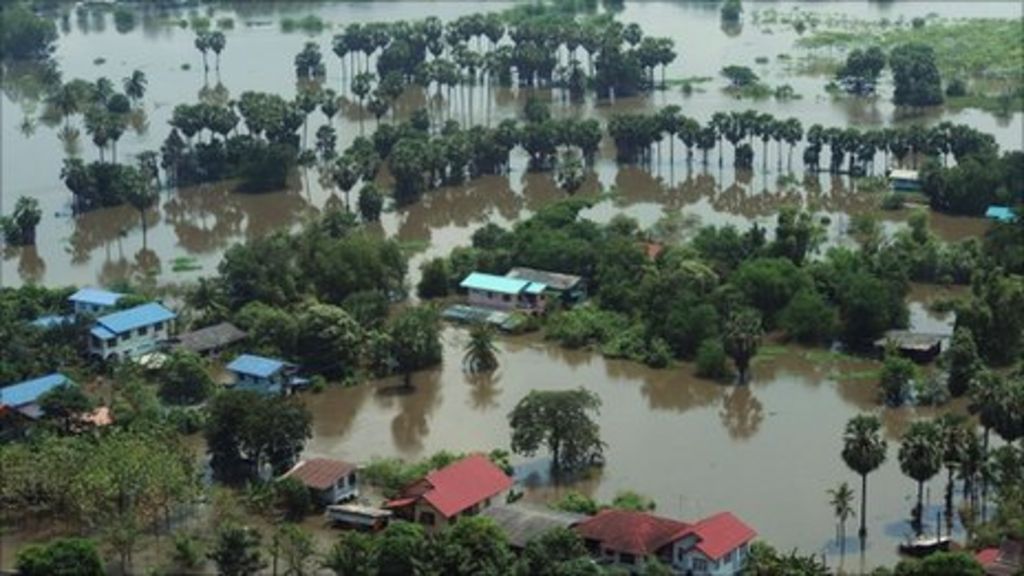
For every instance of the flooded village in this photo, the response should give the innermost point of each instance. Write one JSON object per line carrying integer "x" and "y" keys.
{"x": 562, "y": 287}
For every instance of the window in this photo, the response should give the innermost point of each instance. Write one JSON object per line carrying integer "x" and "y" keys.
{"x": 700, "y": 564}
{"x": 352, "y": 479}
{"x": 490, "y": 295}
{"x": 124, "y": 337}
{"x": 627, "y": 558}
{"x": 728, "y": 558}
{"x": 506, "y": 297}
{"x": 158, "y": 326}
{"x": 143, "y": 330}
{"x": 427, "y": 518}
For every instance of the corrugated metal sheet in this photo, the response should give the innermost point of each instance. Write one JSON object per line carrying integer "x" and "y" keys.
{"x": 498, "y": 284}
{"x": 30, "y": 390}
{"x": 132, "y": 318}
{"x": 96, "y": 296}
{"x": 255, "y": 365}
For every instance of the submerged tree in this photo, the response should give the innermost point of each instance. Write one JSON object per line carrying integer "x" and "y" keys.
{"x": 561, "y": 421}
{"x": 742, "y": 337}
{"x": 920, "y": 458}
{"x": 841, "y": 500}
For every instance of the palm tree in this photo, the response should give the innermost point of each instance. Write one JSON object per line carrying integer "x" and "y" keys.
{"x": 920, "y": 458}
{"x": 65, "y": 101}
{"x": 570, "y": 174}
{"x": 202, "y": 43}
{"x": 841, "y": 500}
{"x": 742, "y": 337}
{"x": 135, "y": 85}
{"x": 217, "y": 42}
{"x": 954, "y": 446}
{"x": 481, "y": 353}
{"x": 864, "y": 451}
{"x": 140, "y": 194}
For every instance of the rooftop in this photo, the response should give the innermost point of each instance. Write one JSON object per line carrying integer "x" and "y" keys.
{"x": 465, "y": 483}
{"x": 523, "y": 523}
{"x": 907, "y": 340}
{"x": 136, "y": 317}
{"x": 499, "y": 284}
{"x": 256, "y": 365}
{"x": 96, "y": 296}
{"x": 721, "y": 534}
{"x": 51, "y": 320}
{"x": 27, "y": 392}
{"x": 210, "y": 337}
{"x": 320, "y": 473}
{"x": 1000, "y": 213}
{"x": 632, "y": 532}
{"x": 552, "y": 280}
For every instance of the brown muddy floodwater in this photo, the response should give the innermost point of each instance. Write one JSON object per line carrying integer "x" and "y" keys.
{"x": 767, "y": 451}
{"x": 200, "y": 224}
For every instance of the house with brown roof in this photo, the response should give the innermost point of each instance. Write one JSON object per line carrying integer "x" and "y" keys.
{"x": 714, "y": 546}
{"x": 1007, "y": 560}
{"x": 329, "y": 481}
{"x": 463, "y": 488}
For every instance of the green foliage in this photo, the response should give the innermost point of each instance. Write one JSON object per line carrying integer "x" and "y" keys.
{"x": 246, "y": 430}
{"x": 941, "y": 564}
{"x": 897, "y": 379}
{"x": 184, "y": 379}
{"x": 976, "y": 182}
{"x": 808, "y": 318}
{"x": 584, "y": 325}
{"x": 188, "y": 551}
{"x": 995, "y": 316}
{"x": 553, "y": 553}
{"x": 629, "y": 500}
{"x": 354, "y": 554}
{"x": 763, "y": 559}
{"x": 573, "y": 501}
{"x": 392, "y": 475}
{"x": 560, "y": 421}
{"x": 731, "y": 11}
{"x": 329, "y": 340}
{"x": 769, "y": 284}
{"x": 711, "y": 360}
{"x": 64, "y": 556}
{"x": 916, "y": 76}
{"x": 19, "y": 229}
{"x": 739, "y": 76}
{"x": 64, "y": 403}
{"x": 481, "y": 355}
{"x": 434, "y": 276}
{"x": 23, "y": 35}
{"x": 371, "y": 202}
{"x": 474, "y": 545}
{"x": 293, "y": 499}
{"x": 963, "y": 361}
{"x": 236, "y": 551}
{"x": 741, "y": 338}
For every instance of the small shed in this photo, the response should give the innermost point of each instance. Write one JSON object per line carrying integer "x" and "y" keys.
{"x": 359, "y": 517}
{"x": 504, "y": 293}
{"x": 264, "y": 375}
{"x": 905, "y": 180}
{"x": 1000, "y": 214}
{"x": 94, "y": 300}
{"x": 209, "y": 340}
{"x": 570, "y": 288}
{"x": 918, "y": 346}
{"x": 330, "y": 481}
{"x": 522, "y": 523}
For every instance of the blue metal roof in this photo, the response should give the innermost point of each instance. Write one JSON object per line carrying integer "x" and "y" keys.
{"x": 1001, "y": 213}
{"x": 132, "y": 318}
{"x": 29, "y": 391}
{"x": 536, "y": 288}
{"x": 96, "y": 296}
{"x": 499, "y": 284}
{"x": 102, "y": 333}
{"x": 51, "y": 320}
{"x": 256, "y": 365}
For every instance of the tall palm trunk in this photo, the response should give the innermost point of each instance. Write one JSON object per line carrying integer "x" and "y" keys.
{"x": 863, "y": 532}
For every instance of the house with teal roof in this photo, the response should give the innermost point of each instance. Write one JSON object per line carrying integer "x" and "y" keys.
{"x": 504, "y": 293}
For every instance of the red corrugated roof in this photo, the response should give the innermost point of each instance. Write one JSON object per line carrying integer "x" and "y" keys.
{"x": 632, "y": 532}
{"x": 462, "y": 484}
{"x": 320, "y": 473}
{"x": 721, "y": 534}
{"x": 987, "y": 556}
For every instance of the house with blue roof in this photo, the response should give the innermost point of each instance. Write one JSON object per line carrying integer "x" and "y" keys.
{"x": 505, "y": 293}
{"x": 1000, "y": 214}
{"x": 23, "y": 397}
{"x": 264, "y": 375}
{"x": 94, "y": 301}
{"x": 131, "y": 332}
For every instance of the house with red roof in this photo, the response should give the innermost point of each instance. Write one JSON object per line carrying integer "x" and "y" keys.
{"x": 714, "y": 546}
{"x": 1007, "y": 560}
{"x": 463, "y": 488}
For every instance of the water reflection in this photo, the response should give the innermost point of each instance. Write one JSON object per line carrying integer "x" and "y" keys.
{"x": 741, "y": 413}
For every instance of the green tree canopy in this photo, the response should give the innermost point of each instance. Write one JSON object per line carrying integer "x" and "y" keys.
{"x": 561, "y": 421}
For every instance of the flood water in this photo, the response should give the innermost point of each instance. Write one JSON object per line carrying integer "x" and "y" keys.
{"x": 108, "y": 245}
{"x": 767, "y": 451}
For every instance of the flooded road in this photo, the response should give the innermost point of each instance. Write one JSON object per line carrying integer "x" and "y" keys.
{"x": 767, "y": 451}
{"x": 200, "y": 224}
